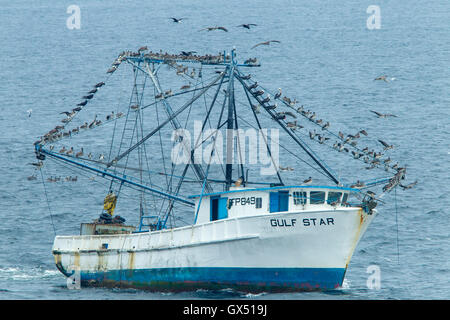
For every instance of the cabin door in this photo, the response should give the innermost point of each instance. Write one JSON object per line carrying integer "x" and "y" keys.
{"x": 279, "y": 201}
{"x": 284, "y": 200}
{"x": 219, "y": 208}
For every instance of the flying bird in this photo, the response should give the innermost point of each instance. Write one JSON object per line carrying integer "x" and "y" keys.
{"x": 386, "y": 145}
{"x": 177, "y": 20}
{"x": 215, "y": 28}
{"x": 307, "y": 181}
{"x": 265, "y": 43}
{"x": 37, "y": 164}
{"x": 286, "y": 168}
{"x": 247, "y": 25}
{"x": 409, "y": 186}
{"x": 364, "y": 132}
{"x": 383, "y": 115}
{"x": 383, "y": 77}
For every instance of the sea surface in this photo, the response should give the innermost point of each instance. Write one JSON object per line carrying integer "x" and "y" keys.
{"x": 328, "y": 59}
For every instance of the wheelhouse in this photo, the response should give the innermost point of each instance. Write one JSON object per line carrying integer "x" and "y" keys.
{"x": 241, "y": 201}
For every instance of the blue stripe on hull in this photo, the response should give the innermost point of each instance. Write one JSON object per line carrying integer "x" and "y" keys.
{"x": 251, "y": 279}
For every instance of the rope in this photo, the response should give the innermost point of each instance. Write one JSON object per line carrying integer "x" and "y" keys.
{"x": 48, "y": 202}
{"x": 396, "y": 222}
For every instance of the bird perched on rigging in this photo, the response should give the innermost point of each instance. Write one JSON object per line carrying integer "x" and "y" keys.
{"x": 323, "y": 139}
{"x": 188, "y": 53}
{"x": 247, "y": 25}
{"x": 93, "y": 122}
{"x": 253, "y": 86}
{"x": 271, "y": 107}
{"x": 265, "y": 43}
{"x": 70, "y": 151}
{"x": 278, "y": 94}
{"x": 68, "y": 114}
{"x": 79, "y": 153}
{"x": 279, "y": 116}
{"x": 326, "y": 126}
{"x": 267, "y": 99}
{"x": 288, "y": 113}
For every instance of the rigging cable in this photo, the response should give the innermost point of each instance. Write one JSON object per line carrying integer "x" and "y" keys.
{"x": 48, "y": 202}
{"x": 396, "y": 222}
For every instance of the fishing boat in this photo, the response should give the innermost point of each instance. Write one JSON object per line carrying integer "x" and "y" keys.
{"x": 245, "y": 224}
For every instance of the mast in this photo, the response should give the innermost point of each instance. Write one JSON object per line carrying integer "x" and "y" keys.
{"x": 230, "y": 125}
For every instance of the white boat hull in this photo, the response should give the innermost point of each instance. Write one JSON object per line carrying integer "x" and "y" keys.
{"x": 271, "y": 252}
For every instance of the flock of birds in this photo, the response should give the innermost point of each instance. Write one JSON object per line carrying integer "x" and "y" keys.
{"x": 247, "y": 26}
{"x": 347, "y": 143}
{"x": 343, "y": 144}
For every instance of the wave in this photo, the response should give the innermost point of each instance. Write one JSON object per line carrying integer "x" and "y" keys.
{"x": 24, "y": 273}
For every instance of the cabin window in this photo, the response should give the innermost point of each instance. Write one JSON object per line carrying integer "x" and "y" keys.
{"x": 258, "y": 203}
{"x": 345, "y": 198}
{"x": 299, "y": 197}
{"x": 334, "y": 197}
{"x": 316, "y": 197}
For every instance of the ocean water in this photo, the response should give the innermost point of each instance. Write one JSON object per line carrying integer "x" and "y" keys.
{"x": 328, "y": 59}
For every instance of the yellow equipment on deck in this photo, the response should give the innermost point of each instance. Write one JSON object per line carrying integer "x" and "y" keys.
{"x": 109, "y": 204}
